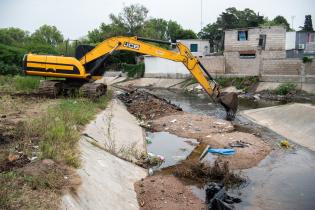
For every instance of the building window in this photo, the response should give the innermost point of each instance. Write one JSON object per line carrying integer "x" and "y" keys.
{"x": 194, "y": 47}
{"x": 250, "y": 54}
{"x": 262, "y": 41}
{"x": 242, "y": 35}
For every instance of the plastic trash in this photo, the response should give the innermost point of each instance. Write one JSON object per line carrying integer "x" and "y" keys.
{"x": 218, "y": 199}
{"x": 222, "y": 151}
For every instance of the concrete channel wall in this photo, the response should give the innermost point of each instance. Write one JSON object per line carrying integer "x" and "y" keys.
{"x": 107, "y": 180}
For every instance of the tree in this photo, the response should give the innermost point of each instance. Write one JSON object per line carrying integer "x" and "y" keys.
{"x": 155, "y": 28}
{"x": 233, "y": 18}
{"x": 47, "y": 35}
{"x": 13, "y": 36}
{"x": 131, "y": 19}
{"x": 212, "y": 32}
{"x": 175, "y": 32}
{"x": 278, "y": 21}
{"x": 308, "y": 25}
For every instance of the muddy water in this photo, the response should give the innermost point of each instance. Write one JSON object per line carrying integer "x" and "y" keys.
{"x": 173, "y": 148}
{"x": 283, "y": 180}
{"x": 202, "y": 104}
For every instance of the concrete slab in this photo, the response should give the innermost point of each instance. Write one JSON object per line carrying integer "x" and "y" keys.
{"x": 107, "y": 182}
{"x": 117, "y": 131}
{"x": 153, "y": 82}
{"x": 310, "y": 88}
{"x": 111, "y": 80}
{"x": 295, "y": 122}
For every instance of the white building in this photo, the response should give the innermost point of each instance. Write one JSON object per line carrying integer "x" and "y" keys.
{"x": 198, "y": 47}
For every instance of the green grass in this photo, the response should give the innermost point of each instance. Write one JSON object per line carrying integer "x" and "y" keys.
{"x": 58, "y": 130}
{"x": 241, "y": 83}
{"x": 286, "y": 88}
{"x": 19, "y": 83}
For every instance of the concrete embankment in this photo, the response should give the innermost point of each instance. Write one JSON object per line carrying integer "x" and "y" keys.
{"x": 293, "y": 121}
{"x": 108, "y": 181}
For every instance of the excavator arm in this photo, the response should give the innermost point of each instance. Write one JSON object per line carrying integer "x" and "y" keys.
{"x": 80, "y": 69}
{"x": 136, "y": 44}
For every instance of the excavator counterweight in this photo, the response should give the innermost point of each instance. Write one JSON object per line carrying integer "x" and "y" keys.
{"x": 81, "y": 71}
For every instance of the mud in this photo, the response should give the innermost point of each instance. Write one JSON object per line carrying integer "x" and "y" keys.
{"x": 202, "y": 173}
{"x": 166, "y": 192}
{"x": 216, "y": 133}
{"x": 18, "y": 162}
{"x": 146, "y": 106}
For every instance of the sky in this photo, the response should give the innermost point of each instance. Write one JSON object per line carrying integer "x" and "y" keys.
{"x": 74, "y": 18}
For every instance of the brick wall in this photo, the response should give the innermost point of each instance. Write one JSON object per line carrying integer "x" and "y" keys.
{"x": 236, "y": 65}
{"x": 214, "y": 64}
{"x": 281, "y": 67}
{"x": 275, "y": 39}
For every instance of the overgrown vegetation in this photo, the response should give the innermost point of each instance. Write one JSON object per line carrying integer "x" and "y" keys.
{"x": 204, "y": 173}
{"x": 241, "y": 83}
{"x": 58, "y": 130}
{"x": 285, "y": 88}
{"x": 134, "y": 70}
{"x": 34, "y": 187}
{"x": 307, "y": 59}
{"x": 19, "y": 83}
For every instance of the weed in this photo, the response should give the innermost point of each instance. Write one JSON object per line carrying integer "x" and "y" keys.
{"x": 307, "y": 59}
{"x": 285, "y": 88}
{"x": 244, "y": 83}
{"x": 58, "y": 130}
{"x": 19, "y": 83}
{"x": 203, "y": 172}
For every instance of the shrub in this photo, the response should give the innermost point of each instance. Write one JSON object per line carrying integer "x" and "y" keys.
{"x": 285, "y": 88}
{"x": 134, "y": 70}
{"x": 307, "y": 59}
{"x": 239, "y": 82}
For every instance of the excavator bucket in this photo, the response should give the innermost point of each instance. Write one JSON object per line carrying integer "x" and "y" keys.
{"x": 230, "y": 102}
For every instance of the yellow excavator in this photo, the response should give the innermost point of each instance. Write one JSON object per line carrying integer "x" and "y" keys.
{"x": 81, "y": 72}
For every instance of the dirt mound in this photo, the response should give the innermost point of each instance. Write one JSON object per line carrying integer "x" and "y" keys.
{"x": 166, "y": 192}
{"x": 245, "y": 157}
{"x": 146, "y": 106}
{"x": 16, "y": 162}
{"x": 203, "y": 173}
{"x": 189, "y": 125}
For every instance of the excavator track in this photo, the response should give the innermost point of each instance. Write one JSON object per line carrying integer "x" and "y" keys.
{"x": 50, "y": 88}
{"x": 93, "y": 90}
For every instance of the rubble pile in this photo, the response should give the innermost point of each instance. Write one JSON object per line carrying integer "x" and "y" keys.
{"x": 146, "y": 106}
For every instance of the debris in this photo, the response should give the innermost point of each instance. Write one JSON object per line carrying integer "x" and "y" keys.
{"x": 146, "y": 106}
{"x": 239, "y": 143}
{"x": 202, "y": 173}
{"x": 173, "y": 121}
{"x": 285, "y": 144}
{"x": 149, "y": 141}
{"x": 222, "y": 151}
{"x": 217, "y": 198}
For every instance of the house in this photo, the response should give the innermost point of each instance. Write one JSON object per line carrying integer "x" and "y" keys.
{"x": 300, "y": 44}
{"x": 245, "y": 48}
{"x": 198, "y": 47}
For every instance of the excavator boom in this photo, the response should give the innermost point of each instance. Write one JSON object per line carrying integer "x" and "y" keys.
{"x": 81, "y": 68}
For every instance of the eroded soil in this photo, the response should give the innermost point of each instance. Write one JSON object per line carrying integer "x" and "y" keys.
{"x": 166, "y": 192}
{"x": 160, "y": 115}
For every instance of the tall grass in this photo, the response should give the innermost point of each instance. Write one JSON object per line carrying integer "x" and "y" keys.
{"x": 19, "y": 83}
{"x": 58, "y": 130}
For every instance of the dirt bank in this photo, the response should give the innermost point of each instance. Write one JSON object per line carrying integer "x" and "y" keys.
{"x": 161, "y": 191}
{"x": 216, "y": 133}
{"x": 166, "y": 192}
{"x": 146, "y": 106}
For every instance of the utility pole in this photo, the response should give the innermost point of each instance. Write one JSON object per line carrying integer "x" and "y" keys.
{"x": 201, "y": 15}
{"x": 292, "y": 20}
